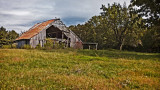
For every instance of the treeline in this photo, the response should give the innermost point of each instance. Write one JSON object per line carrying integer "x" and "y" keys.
{"x": 7, "y": 37}
{"x": 122, "y": 27}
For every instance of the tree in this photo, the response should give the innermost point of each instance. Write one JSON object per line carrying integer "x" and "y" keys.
{"x": 12, "y": 35}
{"x": 115, "y": 27}
{"x": 150, "y": 9}
{"x": 123, "y": 23}
{"x": 3, "y": 36}
{"x": 7, "y": 37}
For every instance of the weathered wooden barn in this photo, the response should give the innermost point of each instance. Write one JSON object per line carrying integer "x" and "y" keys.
{"x": 53, "y": 29}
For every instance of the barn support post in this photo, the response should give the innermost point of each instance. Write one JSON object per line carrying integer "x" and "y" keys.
{"x": 67, "y": 43}
{"x": 89, "y": 47}
{"x": 62, "y": 35}
{"x": 96, "y": 46}
{"x": 82, "y": 47}
{"x": 91, "y": 44}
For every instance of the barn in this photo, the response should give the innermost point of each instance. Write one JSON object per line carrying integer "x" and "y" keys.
{"x": 53, "y": 29}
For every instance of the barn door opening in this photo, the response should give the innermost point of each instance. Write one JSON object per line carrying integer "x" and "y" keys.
{"x": 57, "y": 35}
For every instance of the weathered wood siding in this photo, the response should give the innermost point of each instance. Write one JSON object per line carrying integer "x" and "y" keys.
{"x": 21, "y": 43}
{"x": 73, "y": 37}
{"x": 38, "y": 39}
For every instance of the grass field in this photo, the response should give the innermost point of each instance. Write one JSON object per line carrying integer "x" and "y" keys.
{"x": 78, "y": 69}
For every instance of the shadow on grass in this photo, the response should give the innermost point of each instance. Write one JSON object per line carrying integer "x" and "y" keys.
{"x": 121, "y": 54}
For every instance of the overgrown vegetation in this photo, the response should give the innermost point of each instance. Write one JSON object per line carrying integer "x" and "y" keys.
{"x": 11, "y": 46}
{"x": 51, "y": 44}
{"x": 26, "y": 47}
{"x": 84, "y": 69}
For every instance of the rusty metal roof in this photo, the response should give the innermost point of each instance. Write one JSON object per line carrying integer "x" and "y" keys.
{"x": 35, "y": 30}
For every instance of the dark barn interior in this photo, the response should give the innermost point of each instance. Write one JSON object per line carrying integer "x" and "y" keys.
{"x": 53, "y": 32}
{"x": 58, "y": 36}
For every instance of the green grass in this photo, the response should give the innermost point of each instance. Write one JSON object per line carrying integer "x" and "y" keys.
{"x": 78, "y": 69}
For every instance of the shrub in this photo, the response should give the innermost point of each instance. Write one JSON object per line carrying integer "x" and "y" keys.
{"x": 58, "y": 46}
{"x": 49, "y": 44}
{"x": 6, "y": 47}
{"x": 26, "y": 47}
{"x": 14, "y": 45}
{"x": 38, "y": 46}
{"x": 11, "y": 46}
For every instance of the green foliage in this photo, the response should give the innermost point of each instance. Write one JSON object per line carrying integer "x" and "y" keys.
{"x": 58, "y": 45}
{"x": 121, "y": 27}
{"x": 151, "y": 10}
{"x": 26, "y": 46}
{"x": 123, "y": 24}
{"x": 3, "y": 36}
{"x": 12, "y": 46}
{"x": 7, "y": 37}
{"x": 49, "y": 44}
{"x": 6, "y": 47}
{"x": 115, "y": 27}
{"x": 84, "y": 69}
{"x": 150, "y": 40}
{"x": 38, "y": 46}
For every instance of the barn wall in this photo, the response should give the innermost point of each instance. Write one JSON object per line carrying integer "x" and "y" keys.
{"x": 38, "y": 39}
{"x": 21, "y": 43}
{"x": 74, "y": 39}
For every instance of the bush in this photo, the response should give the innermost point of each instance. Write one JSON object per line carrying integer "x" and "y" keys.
{"x": 6, "y": 47}
{"x": 11, "y": 46}
{"x": 49, "y": 44}
{"x": 58, "y": 46}
{"x": 38, "y": 46}
{"x": 26, "y": 47}
{"x": 14, "y": 45}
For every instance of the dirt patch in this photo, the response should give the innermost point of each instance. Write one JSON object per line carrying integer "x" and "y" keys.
{"x": 17, "y": 59}
{"x": 1, "y": 61}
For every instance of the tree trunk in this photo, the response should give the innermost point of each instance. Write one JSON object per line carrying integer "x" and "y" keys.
{"x": 121, "y": 47}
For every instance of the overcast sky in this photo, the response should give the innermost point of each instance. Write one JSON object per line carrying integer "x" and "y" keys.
{"x": 20, "y": 15}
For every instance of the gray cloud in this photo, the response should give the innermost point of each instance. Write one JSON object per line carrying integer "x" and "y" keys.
{"x": 20, "y": 15}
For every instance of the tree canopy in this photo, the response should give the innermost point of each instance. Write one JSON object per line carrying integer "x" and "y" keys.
{"x": 150, "y": 9}
{"x": 114, "y": 28}
{"x": 7, "y": 37}
{"x": 122, "y": 27}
